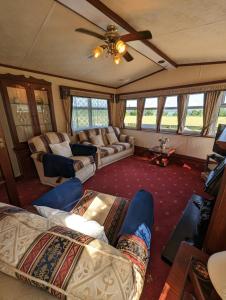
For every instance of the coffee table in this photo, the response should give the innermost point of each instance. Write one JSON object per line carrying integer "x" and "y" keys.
{"x": 161, "y": 157}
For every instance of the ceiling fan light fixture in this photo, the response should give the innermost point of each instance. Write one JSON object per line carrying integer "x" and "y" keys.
{"x": 117, "y": 59}
{"x": 97, "y": 51}
{"x": 120, "y": 47}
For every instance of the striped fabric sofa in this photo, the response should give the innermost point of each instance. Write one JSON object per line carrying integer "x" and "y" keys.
{"x": 84, "y": 166}
{"x": 108, "y": 153}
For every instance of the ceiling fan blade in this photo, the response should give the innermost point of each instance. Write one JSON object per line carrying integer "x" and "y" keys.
{"x": 140, "y": 35}
{"x": 92, "y": 33}
{"x": 128, "y": 57}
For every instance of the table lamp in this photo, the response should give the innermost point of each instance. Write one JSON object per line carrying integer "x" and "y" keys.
{"x": 217, "y": 272}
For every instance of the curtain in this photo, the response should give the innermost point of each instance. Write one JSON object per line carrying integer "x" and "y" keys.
{"x": 121, "y": 111}
{"x": 212, "y": 104}
{"x": 111, "y": 112}
{"x": 140, "y": 111}
{"x": 160, "y": 108}
{"x": 67, "y": 105}
{"x": 182, "y": 105}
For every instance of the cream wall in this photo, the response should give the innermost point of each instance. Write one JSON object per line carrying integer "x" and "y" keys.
{"x": 195, "y": 146}
{"x": 59, "y": 114}
{"x": 186, "y": 145}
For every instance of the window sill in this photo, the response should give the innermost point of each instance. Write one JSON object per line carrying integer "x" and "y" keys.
{"x": 170, "y": 132}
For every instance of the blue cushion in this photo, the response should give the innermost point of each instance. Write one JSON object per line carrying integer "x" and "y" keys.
{"x": 140, "y": 216}
{"x": 63, "y": 196}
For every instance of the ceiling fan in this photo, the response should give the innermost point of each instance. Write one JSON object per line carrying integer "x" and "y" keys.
{"x": 114, "y": 44}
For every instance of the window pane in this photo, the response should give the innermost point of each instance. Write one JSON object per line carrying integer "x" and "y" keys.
{"x": 99, "y": 112}
{"x": 194, "y": 118}
{"x": 131, "y": 113}
{"x": 88, "y": 113}
{"x": 80, "y": 114}
{"x": 150, "y": 113}
{"x": 169, "y": 118}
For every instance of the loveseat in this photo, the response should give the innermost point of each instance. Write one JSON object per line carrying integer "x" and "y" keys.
{"x": 119, "y": 145}
{"x": 84, "y": 165}
{"x": 70, "y": 265}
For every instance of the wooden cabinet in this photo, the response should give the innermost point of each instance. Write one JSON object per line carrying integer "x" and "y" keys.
{"x": 29, "y": 107}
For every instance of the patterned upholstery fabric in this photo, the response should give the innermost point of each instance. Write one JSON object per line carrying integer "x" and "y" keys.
{"x": 107, "y": 210}
{"x": 82, "y": 161}
{"x": 41, "y": 143}
{"x": 63, "y": 262}
{"x": 114, "y": 148}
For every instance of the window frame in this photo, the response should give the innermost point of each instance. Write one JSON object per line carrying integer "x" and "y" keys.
{"x": 89, "y": 108}
{"x": 130, "y": 108}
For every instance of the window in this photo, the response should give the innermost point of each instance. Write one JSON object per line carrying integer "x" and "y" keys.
{"x": 89, "y": 112}
{"x": 150, "y": 113}
{"x": 222, "y": 113}
{"x": 169, "y": 117}
{"x": 194, "y": 118}
{"x": 131, "y": 113}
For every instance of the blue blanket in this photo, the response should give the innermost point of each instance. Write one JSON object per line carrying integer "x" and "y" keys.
{"x": 58, "y": 166}
{"x": 140, "y": 217}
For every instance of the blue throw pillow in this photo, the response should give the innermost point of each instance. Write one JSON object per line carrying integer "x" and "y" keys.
{"x": 63, "y": 196}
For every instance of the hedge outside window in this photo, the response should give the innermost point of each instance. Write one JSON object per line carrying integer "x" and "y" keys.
{"x": 150, "y": 113}
{"x": 89, "y": 113}
{"x": 130, "y": 119}
{"x": 222, "y": 113}
{"x": 194, "y": 117}
{"x": 169, "y": 117}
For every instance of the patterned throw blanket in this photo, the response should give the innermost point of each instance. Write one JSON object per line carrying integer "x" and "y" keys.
{"x": 63, "y": 262}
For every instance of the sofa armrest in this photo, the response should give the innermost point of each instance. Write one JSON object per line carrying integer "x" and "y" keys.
{"x": 127, "y": 139}
{"x": 83, "y": 150}
{"x": 135, "y": 249}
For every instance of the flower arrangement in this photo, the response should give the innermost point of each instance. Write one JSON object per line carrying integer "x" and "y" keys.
{"x": 163, "y": 142}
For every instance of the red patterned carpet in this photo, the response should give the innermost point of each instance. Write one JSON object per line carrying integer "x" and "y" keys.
{"x": 171, "y": 188}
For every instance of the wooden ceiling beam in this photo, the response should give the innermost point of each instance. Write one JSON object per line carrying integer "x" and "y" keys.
{"x": 121, "y": 22}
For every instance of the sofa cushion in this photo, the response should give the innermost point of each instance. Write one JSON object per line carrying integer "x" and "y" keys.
{"x": 41, "y": 143}
{"x": 63, "y": 197}
{"x": 73, "y": 221}
{"x": 112, "y": 138}
{"x": 97, "y": 140}
{"x": 112, "y": 149}
{"x": 105, "y": 209}
{"x": 63, "y": 262}
{"x": 62, "y": 149}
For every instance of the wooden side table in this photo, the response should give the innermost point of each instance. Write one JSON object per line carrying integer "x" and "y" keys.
{"x": 178, "y": 278}
{"x": 161, "y": 156}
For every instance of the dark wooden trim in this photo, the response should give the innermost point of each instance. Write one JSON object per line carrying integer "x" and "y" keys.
{"x": 143, "y": 77}
{"x": 54, "y": 75}
{"x": 176, "y": 87}
{"x": 121, "y": 22}
{"x": 85, "y": 90}
{"x": 215, "y": 236}
{"x": 202, "y": 63}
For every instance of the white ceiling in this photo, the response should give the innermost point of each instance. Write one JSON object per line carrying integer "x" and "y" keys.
{"x": 39, "y": 35}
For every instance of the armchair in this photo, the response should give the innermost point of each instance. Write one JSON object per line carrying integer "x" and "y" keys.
{"x": 54, "y": 169}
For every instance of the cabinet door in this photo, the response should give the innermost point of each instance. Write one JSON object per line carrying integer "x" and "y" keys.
{"x": 18, "y": 108}
{"x": 43, "y": 101}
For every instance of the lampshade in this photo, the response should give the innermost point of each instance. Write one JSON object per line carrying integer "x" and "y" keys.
{"x": 97, "y": 51}
{"x": 217, "y": 272}
{"x": 221, "y": 141}
{"x": 117, "y": 59}
{"x": 120, "y": 47}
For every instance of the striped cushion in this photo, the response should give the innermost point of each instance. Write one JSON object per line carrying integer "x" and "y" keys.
{"x": 82, "y": 161}
{"x": 112, "y": 149}
{"x": 41, "y": 143}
